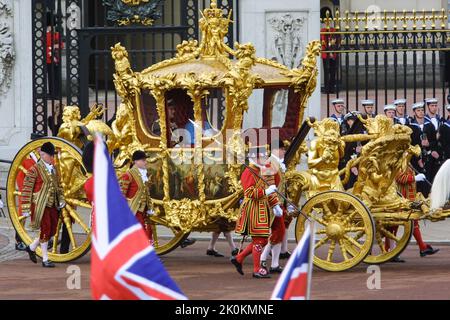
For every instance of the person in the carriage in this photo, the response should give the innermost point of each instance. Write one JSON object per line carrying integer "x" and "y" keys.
{"x": 259, "y": 207}
{"x": 134, "y": 187}
{"x": 42, "y": 198}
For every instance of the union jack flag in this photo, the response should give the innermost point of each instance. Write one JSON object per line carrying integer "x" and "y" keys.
{"x": 295, "y": 280}
{"x": 124, "y": 266}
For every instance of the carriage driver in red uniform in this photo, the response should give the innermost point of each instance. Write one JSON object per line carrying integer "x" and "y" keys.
{"x": 258, "y": 209}
{"x": 134, "y": 187}
{"x": 42, "y": 198}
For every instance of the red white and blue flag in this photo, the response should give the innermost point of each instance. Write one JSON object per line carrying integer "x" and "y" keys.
{"x": 295, "y": 280}
{"x": 124, "y": 266}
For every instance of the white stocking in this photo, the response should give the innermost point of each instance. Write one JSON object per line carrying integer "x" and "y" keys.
{"x": 230, "y": 240}
{"x": 212, "y": 243}
{"x": 265, "y": 253}
{"x": 44, "y": 247}
{"x": 284, "y": 244}
{"x": 276, "y": 249}
{"x": 34, "y": 244}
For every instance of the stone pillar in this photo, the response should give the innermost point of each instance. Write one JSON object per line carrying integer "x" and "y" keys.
{"x": 15, "y": 78}
{"x": 274, "y": 26}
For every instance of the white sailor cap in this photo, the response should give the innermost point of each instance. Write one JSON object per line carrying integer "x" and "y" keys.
{"x": 352, "y": 115}
{"x": 368, "y": 102}
{"x": 338, "y": 101}
{"x": 418, "y": 105}
{"x": 447, "y": 107}
{"x": 431, "y": 100}
{"x": 389, "y": 107}
{"x": 400, "y": 101}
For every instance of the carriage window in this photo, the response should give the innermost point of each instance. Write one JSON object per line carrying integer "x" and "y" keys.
{"x": 149, "y": 113}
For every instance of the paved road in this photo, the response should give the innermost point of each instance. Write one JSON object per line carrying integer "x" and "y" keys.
{"x": 204, "y": 277}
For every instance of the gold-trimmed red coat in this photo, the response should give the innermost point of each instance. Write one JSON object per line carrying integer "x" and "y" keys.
{"x": 256, "y": 214}
{"x": 41, "y": 190}
{"x": 135, "y": 191}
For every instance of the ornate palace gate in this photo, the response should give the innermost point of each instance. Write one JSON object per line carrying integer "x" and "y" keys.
{"x": 385, "y": 56}
{"x": 72, "y": 61}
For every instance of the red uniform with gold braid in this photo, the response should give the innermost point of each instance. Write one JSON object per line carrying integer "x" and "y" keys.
{"x": 27, "y": 164}
{"x": 256, "y": 216}
{"x": 406, "y": 183}
{"x": 137, "y": 194}
{"x": 41, "y": 196}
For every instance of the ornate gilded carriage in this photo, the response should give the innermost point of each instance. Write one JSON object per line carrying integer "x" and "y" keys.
{"x": 195, "y": 187}
{"x": 192, "y": 185}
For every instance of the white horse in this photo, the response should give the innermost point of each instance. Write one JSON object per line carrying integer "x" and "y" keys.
{"x": 440, "y": 191}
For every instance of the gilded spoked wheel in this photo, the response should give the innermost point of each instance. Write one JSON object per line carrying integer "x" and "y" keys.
{"x": 343, "y": 229}
{"x": 392, "y": 237}
{"x": 72, "y": 239}
{"x": 165, "y": 238}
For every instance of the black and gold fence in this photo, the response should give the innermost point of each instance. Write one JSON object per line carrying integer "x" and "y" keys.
{"x": 384, "y": 56}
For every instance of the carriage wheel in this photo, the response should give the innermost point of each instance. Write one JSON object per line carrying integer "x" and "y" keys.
{"x": 165, "y": 238}
{"x": 343, "y": 229}
{"x": 392, "y": 237}
{"x": 74, "y": 217}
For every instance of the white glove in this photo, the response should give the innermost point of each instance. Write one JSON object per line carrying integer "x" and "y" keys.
{"x": 420, "y": 177}
{"x": 150, "y": 212}
{"x": 271, "y": 189}
{"x": 1, "y": 204}
{"x": 277, "y": 211}
{"x": 26, "y": 214}
{"x": 291, "y": 208}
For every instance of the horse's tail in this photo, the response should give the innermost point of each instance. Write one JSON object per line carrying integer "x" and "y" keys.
{"x": 440, "y": 191}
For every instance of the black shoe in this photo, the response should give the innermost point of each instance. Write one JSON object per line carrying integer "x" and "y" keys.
{"x": 285, "y": 255}
{"x": 264, "y": 266}
{"x": 237, "y": 265}
{"x": 397, "y": 259}
{"x": 276, "y": 270}
{"x": 428, "y": 251}
{"x": 214, "y": 253}
{"x": 235, "y": 252}
{"x": 187, "y": 242}
{"x": 20, "y": 246}
{"x": 261, "y": 274}
{"x": 31, "y": 254}
{"x": 48, "y": 264}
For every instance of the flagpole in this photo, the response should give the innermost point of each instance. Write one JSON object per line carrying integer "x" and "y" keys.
{"x": 311, "y": 257}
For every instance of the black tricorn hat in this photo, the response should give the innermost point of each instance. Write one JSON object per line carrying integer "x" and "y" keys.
{"x": 48, "y": 148}
{"x": 138, "y": 155}
{"x": 88, "y": 156}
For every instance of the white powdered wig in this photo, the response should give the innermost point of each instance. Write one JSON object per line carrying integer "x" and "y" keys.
{"x": 440, "y": 191}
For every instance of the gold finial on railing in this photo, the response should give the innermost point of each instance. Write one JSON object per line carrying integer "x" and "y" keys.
{"x": 444, "y": 18}
{"x": 395, "y": 19}
{"x": 213, "y": 4}
{"x": 347, "y": 20}
{"x": 433, "y": 19}
{"x": 327, "y": 20}
{"x": 424, "y": 19}
{"x": 366, "y": 20}
{"x": 414, "y": 19}
{"x": 404, "y": 20}
{"x": 356, "y": 21}
{"x": 385, "y": 19}
{"x": 337, "y": 23}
